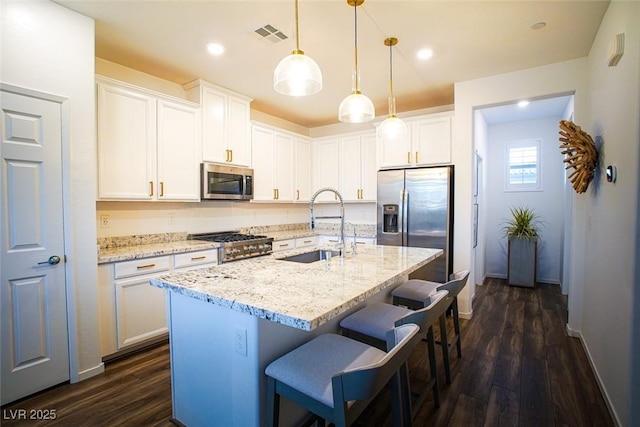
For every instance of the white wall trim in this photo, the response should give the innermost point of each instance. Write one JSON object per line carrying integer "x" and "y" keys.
{"x": 607, "y": 399}
{"x": 91, "y": 372}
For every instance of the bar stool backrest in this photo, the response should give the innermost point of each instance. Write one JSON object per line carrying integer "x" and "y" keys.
{"x": 366, "y": 381}
{"x": 456, "y": 283}
{"x": 425, "y": 317}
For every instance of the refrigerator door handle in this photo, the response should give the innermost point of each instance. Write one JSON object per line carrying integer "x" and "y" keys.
{"x": 405, "y": 217}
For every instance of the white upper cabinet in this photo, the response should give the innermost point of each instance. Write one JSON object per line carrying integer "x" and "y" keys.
{"x": 272, "y": 162}
{"x": 326, "y": 167}
{"x": 148, "y": 145}
{"x": 429, "y": 143}
{"x": 358, "y": 167}
{"x": 226, "y": 126}
{"x": 302, "y": 170}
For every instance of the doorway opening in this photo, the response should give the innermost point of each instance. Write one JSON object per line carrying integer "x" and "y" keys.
{"x": 531, "y": 128}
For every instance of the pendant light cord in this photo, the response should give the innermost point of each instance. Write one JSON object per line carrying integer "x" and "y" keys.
{"x": 391, "y": 77}
{"x": 355, "y": 15}
{"x": 297, "y": 33}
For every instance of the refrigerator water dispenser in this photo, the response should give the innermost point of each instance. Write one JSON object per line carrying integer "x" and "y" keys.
{"x": 390, "y": 215}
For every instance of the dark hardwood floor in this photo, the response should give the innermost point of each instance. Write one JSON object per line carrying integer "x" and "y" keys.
{"x": 518, "y": 368}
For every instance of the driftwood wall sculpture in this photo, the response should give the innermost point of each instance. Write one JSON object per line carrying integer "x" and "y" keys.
{"x": 580, "y": 154}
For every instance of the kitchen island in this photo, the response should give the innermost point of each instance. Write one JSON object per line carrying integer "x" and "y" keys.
{"x": 228, "y": 322}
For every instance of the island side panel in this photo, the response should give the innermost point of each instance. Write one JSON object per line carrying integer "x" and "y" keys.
{"x": 210, "y": 380}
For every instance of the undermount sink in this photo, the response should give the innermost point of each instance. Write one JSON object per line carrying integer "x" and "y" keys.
{"x": 308, "y": 257}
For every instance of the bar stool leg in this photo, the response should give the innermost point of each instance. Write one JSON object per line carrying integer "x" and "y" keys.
{"x": 273, "y": 403}
{"x": 431, "y": 350}
{"x": 444, "y": 343}
{"x": 456, "y": 326}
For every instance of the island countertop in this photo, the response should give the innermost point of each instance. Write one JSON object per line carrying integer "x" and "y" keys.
{"x": 303, "y": 296}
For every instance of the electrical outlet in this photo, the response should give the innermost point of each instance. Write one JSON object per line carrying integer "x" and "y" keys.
{"x": 105, "y": 221}
{"x": 172, "y": 218}
{"x": 240, "y": 341}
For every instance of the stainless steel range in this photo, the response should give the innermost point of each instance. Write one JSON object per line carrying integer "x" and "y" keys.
{"x": 235, "y": 246}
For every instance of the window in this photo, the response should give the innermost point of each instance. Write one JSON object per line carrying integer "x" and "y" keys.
{"x": 522, "y": 165}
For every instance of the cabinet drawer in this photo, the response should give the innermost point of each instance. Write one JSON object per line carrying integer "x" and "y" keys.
{"x": 139, "y": 267}
{"x": 209, "y": 256}
{"x": 284, "y": 245}
{"x": 303, "y": 242}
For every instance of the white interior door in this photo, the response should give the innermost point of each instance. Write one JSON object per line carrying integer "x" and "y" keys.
{"x": 35, "y": 352}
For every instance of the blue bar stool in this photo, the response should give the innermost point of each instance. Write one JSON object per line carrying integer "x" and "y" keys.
{"x": 371, "y": 324}
{"x": 415, "y": 293}
{"x": 336, "y": 377}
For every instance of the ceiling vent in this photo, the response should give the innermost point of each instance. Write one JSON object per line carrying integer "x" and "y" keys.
{"x": 270, "y": 33}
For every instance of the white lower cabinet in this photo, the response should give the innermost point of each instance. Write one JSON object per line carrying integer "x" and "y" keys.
{"x": 132, "y": 312}
{"x": 140, "y": 313}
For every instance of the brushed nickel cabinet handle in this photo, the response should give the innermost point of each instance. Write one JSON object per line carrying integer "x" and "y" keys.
{"x": 196, "y": 258}
{"x": 161, "y": 188}
{"x": 277, "y": 194}
{"x": 274, "y": 194}
{"x": 150, "y": 188}
{"x": 231, "y": 155}
{"x": 284, "y": 245}
{"x": 297, "y": 194}
{"x": 140, "y": 267}
{"x": 409, "y": 157}
{"x": 417, "y": 161}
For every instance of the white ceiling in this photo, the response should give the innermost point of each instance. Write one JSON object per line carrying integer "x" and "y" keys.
{"x": 536, "y": 109}
{"x": 470, "y": 39}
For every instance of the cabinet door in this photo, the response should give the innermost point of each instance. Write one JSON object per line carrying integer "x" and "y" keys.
{"x": 238, "y": 132}
{"x": 140, "y": 311}
{"x": 369, "y": 172}
{"x": 350, "y": 168}
{"x": 432, "y": 141}
{"x": 302, "y": 166}
{"x": 395, "y": 153}
{"x": 283, "y": 167}
{"x": 126, "y": 144}
{"x": 214, "y": 107}
{"x": 326, "y": 168}
{"x": 262, "y": 153}
{"x": 178, "y": 152}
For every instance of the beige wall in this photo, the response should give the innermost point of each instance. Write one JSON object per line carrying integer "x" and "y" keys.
{"x": 611, "y": 247}
{"x": 50, "y": 49}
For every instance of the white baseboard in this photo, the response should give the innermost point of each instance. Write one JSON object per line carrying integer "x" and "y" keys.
{"x": 92, "y": 372}
{"x": 607, "y": 399}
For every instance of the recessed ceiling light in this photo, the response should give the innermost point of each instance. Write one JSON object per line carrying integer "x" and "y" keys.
{"x": 538, "y": 25}
{"x": 215, "y": 49}
{"x": 523, "y": 104}
{"x": 424, "y": 54}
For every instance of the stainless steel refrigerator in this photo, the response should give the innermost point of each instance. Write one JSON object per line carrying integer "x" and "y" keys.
{"x": 415, "y": 208}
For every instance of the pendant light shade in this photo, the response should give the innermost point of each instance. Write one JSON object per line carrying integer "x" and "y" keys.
{"x": 297, "y": 74}
{"x": 392, "y": 128}
{"x": 356, "y": 108}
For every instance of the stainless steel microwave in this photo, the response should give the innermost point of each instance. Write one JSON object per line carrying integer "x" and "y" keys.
{"x": 223, "y": 182}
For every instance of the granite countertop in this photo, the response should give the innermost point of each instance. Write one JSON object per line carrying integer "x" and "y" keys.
{"x": 126, "y": 248}
{"x": 303, "y": 296}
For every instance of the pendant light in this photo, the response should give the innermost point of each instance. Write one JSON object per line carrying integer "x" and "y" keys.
{"x": 392, "y": 128}
{"x": 297, "y": 74}
{"x": 356, "y": 108}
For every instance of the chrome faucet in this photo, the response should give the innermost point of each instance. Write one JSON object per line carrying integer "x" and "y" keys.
{"x": 312, "y": 224}
{"x": 354, "y": 244}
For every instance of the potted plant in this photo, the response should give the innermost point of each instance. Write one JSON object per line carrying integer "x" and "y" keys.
{"x": 522, "y": 231}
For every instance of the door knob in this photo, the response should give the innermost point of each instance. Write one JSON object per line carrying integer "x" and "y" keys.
{"x": 53, "y": 260}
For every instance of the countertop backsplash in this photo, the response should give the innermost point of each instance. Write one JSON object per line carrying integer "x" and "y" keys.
{"x": 140, "y": 239}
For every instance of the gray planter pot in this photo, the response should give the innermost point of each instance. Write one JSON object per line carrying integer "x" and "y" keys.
{"x": 522, "y": 259}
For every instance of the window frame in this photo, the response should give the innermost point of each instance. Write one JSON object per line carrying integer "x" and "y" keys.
{"x": 519, "y": 144}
